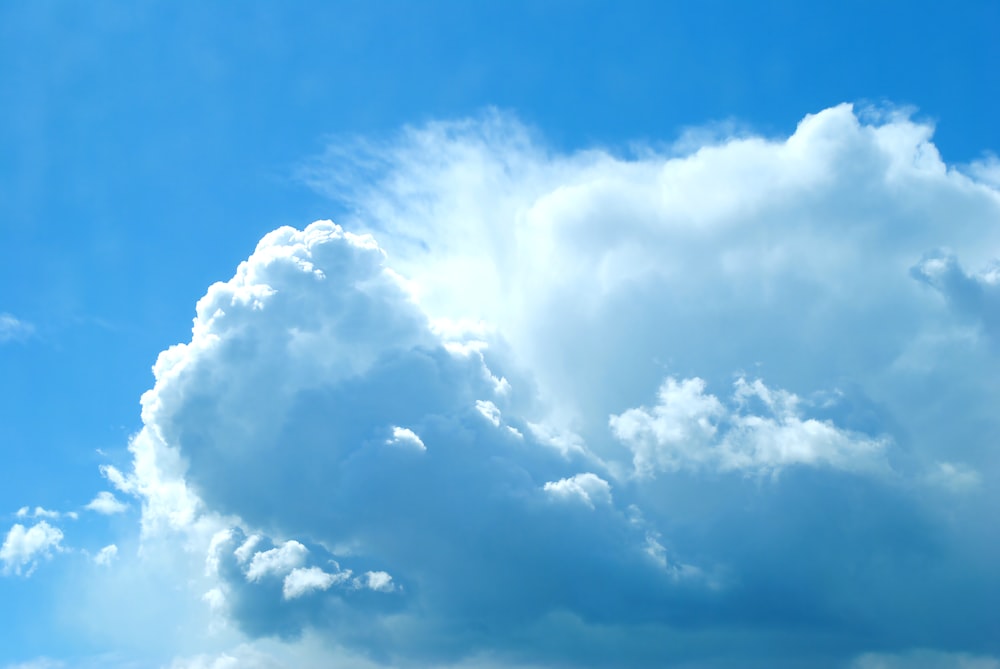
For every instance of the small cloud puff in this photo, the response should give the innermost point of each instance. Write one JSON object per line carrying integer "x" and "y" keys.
{"x": 106, "y": 555}
{"x": 378, "y": 581}
{"x": 406, "y": 438}
{"x": 588, "y": 488}
{"x": 106, "y": 503}
{"x": 691, "y": 429}
{"x": 278, "y": 561}
{"x": 302, "y": 581}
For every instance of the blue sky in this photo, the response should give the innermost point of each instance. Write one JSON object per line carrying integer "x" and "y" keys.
{"x": 674, "y": 341}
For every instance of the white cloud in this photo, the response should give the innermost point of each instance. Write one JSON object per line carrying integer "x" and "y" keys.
{"x": 402, "y": 436}
{"x": 278, "y": 561}
{"x": 566, "y": 288}
{"x": 106, "y": 555}
{"x": 40, "y": 512}
{"x": 106, "y": 503}
{"x": 45, "y": 513}
{"x": 987, "y": 170}
{"x": 246, "y": 549}
{"x": 688, "y": 428}
{"x": 291, "y": 455}
{"x": 303, "y": 581}
{"x": 489, "y": 411}
{"x": 588, "y": 488}
{"x": 379, "y": 581}
{"x": 12, "y": 329}
{"x": 23, "y": 547}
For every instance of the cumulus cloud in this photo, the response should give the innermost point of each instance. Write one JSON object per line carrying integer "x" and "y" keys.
{"x": 588, "y": 488}
{"x": 303, "y": 581}
{"x": 291, "y": 441}
{"x": 405, "y": 437}
{"x": 23, "y": 547}
{"x": 278, "y": 561}
{"x": 106, "y": 503}
{"x": 513, "y": 310}
{"x": 689, "y": 428}
{"x": 379, "y": 581}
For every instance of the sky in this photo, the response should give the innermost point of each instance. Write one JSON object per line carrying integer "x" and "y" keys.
{"x": 499, "y": 335}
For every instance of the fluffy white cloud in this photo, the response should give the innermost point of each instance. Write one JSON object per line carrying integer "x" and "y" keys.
{"x": 278, "y": 561}
{"x": 690, "y": 429}
{"x": 402, "y": 436}
{"x": 588, "y": 488}
{"x": 379, "y": 581}
{"x": 300, "y": 582}
{"x": 23, "y": 547}
{"x": 514, "y": 287}
{"x": 290, "y": 441}
{"x": 106, "y": 503}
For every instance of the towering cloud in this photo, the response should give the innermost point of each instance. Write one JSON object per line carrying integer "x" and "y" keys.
{"x": 493, "y": 424}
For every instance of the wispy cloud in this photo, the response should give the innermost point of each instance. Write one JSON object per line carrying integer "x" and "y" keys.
{"x": 13, "y": 329}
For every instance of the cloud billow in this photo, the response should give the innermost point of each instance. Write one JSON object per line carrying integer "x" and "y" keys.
{"x": 492, "y": 426}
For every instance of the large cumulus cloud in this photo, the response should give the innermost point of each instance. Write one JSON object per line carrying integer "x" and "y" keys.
{"x": 399, "y": 504}
{"x": 723, "y": 405}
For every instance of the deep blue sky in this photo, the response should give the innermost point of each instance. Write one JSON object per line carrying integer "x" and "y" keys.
{"x": 145, "y": 147}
